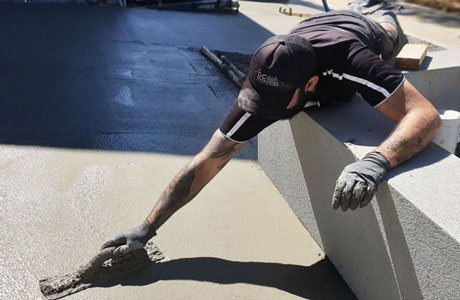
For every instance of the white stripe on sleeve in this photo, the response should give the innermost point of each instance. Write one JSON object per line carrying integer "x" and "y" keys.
{"x": 239, "y": 142}
{"x": 359, "y": 80}
{"x": 402, "y": 81}
{"x": 238, "y": 125}
{"x": 367, "y": 83}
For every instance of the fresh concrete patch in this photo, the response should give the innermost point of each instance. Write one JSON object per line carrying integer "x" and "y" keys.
{"x": 100, "y": 268}
{"x": 123, "y": 80}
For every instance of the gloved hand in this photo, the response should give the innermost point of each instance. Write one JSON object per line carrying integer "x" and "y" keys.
{"x": 359, "y": 181}
{"x": 132, "y": 239}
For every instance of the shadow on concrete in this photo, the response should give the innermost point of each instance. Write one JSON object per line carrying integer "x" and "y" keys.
{"x": 431, "y": 16}
{"x": 107, "y": 78}
{"x": 308, "y": 282}
{"x": 432, "y": 154}
{"x": 402, "y": 262}
{"x": 315, "y": 141}
{"x": 362, "y": 125}
{"x": 320, "y": 178}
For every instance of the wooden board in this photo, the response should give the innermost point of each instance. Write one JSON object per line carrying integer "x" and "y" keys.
{"x": 411, "y": 56}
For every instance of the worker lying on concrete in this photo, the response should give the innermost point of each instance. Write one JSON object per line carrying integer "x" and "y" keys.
{"x": 324, "y": 59}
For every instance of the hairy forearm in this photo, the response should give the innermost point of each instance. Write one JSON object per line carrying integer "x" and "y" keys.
{"x": 193, "y": 178}
{"x": 413, "y": 133}
{"x": 418, "y": 122}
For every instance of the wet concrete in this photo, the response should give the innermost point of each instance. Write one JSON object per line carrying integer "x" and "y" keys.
{"x": 129, "y": 79}
{"x": 102, "y": 268}
{"x": 238, "y": 239}
{"x": 100, "y": 107}
{"x": 114, "y": 79}
{"x": 79, "y": 80}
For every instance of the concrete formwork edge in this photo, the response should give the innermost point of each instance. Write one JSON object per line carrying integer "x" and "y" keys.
{"x": 403, "y": 246}
{"x": 406, "y": 244}
{"x": 439, "y": 79}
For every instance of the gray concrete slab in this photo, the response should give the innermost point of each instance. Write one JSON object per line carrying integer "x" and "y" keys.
{"x": 438, "y": 80}
{"x": 134, "y": 74}
{"x": 405, "y": 244}
{"x": 237, "y": 240}
{"x": 100, "y": 107}
{"x": 127, "y": 80}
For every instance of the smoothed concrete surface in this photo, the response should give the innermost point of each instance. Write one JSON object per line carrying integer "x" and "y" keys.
{"x": 109, "y": 79}
{"x": 132, "y": 81}
{"x": 114, "y": 79}
{"x": 238, "y": 239}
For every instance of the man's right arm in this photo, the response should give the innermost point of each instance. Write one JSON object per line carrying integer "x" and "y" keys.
{"x": 237, "y": 127}
{"x": 193, "y": 177}
{"x": 181, "y": 190}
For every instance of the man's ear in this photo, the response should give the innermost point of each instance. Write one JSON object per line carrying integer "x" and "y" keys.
{"x": 311, "y": 84}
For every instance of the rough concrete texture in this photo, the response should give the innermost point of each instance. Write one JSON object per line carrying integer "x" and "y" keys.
{"x": 280, "y": 163}
{"x": 126, "y": 80}
{"x": 425, "y": 266}
{"x": 439, "y": 79}
{"x": 79, "y": 83}
{"x": 406, "y": 244}
{"x": 102, "y": 268}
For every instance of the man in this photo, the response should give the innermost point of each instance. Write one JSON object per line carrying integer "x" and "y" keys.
{"x": 324, "y": 59}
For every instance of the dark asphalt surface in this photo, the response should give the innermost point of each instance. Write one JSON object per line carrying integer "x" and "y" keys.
{"x": 116, "y": 79}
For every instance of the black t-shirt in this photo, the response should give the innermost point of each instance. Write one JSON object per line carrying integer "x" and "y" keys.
{"x": 348, "y": 61}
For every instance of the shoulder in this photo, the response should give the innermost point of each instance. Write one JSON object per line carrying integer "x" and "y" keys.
{"x": 239, "y": 126}
{"x": 375, "y": 79}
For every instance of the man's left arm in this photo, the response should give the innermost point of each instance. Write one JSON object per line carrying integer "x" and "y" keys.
{"x": 417, "y": 124}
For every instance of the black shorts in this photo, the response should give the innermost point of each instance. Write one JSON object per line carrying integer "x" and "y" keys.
{"x": 370, "y": 31}
{"x": 390, "y": 44}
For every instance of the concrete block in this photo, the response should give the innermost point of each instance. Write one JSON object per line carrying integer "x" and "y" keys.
{"x": 406, "y": 244}
{"x": 439, "y": 79}
{"x": 280, "y": 162}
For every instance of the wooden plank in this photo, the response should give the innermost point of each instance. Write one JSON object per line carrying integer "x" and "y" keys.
{"x": 411, "y": 56}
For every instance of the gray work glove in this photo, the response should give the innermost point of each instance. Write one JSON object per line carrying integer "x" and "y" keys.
{"x": 132, "y": 239}
{"x": 359, "y": 181}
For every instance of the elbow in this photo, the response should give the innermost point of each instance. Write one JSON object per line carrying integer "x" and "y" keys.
{"x": 431, "y": 118}
{"x": 435, "y": 121}
{"x": 429, "y": 121}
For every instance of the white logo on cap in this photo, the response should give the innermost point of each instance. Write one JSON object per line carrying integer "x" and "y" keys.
{"x": 267, "y": 79}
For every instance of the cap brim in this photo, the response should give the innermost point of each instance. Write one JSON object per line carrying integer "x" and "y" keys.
{"x": 263, "y": 105}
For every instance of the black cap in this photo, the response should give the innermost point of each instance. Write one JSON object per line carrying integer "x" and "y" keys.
{"x": 278, "y": 67}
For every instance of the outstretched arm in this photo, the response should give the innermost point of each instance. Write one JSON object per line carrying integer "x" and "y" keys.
{"x": 417, "y": 124}
{"x": 181, "y": 190}
{"x": 193, "y": 177}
